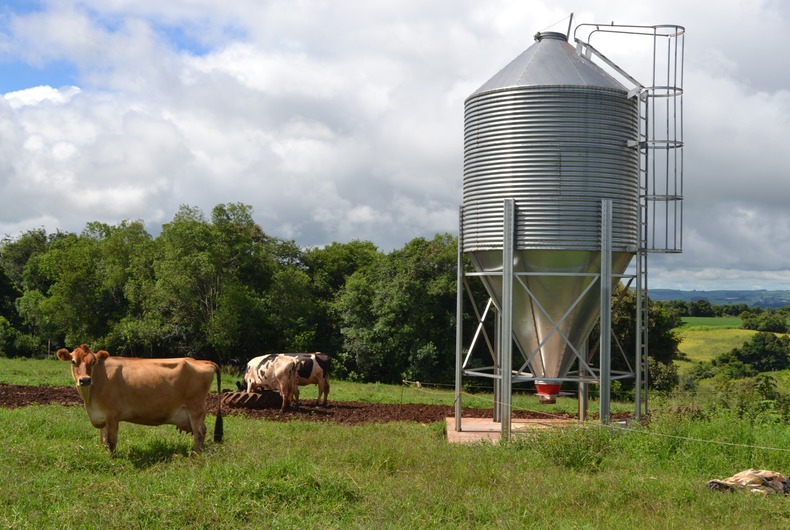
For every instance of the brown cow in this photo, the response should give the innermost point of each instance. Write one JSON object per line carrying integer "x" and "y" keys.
{"x": 144, "y": 391}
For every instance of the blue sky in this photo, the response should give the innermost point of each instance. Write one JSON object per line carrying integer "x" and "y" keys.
{"x": 19, "y": 75}
{"x": 343, "y": 120}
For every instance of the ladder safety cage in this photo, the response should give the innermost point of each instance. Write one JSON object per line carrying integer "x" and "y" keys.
{"x": 660, "y": 148}
{"x": 660, "y": 143}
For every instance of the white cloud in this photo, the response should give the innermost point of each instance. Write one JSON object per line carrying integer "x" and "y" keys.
{"x": 344, "y": 120}
{"x": 40, "y": 94}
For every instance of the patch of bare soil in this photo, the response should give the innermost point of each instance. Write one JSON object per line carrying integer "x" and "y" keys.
{"x": 343, "y": 412}
{"x": 357, "y": 412}
{"x": 14, "y": 396}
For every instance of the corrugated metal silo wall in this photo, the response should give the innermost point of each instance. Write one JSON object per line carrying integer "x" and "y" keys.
{"x": 557, "y": 151}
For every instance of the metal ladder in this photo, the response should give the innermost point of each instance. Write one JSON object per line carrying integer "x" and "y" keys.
{"x": 660, "y": 153}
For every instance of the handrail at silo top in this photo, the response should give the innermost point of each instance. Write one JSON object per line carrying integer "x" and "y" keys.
{"x": 658, "y": 30}
{"x": 584, "y": 49}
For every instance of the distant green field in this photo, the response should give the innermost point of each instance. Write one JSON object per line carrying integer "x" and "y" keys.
{"x": 704, "y": 343}
{"x": 702, "y": 338}
{"x": 711, "y": 322}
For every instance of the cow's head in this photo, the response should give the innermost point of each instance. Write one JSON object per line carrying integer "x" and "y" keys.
{"x": 83, "y": 361}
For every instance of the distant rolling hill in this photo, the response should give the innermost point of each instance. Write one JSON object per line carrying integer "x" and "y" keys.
{"x": 760, "y": 298}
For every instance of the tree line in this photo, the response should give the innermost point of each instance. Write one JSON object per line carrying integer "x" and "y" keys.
{"x": 218, "y": 287}
{"x": 752, "y": 317}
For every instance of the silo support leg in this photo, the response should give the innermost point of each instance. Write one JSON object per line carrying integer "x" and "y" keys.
{"x": 606, "y": 309}
{"x": 506, "y": 336}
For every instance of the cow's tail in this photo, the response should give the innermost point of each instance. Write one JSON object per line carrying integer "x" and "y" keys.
{"x": 219, "y": 427}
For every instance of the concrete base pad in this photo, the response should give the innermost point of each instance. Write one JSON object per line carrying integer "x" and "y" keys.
{"x": 477, "y": 429}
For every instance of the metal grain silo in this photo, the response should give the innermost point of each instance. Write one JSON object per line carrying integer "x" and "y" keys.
{"x": 555, "y": 134}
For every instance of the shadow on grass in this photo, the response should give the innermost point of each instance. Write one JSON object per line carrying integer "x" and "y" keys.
{"x": 157, "y": 452}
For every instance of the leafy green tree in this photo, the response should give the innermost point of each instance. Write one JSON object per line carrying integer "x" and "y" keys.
{"x": 767, "y": 320}
{"x": 18, "y": 257}
{"x": 766, "y": 352}
{"x": 662, "y": 340}
{"x": 676, "y": 307}
{"x": 37, "y": 321}
{"x": 398, "y": 316}
{"x": 75, "y": 302}
{"x": 703, "y": 370}
{"x": 728, "y": 366}
{"x": 663, "y": 376}
{"x": 8, "y": 337}
{"x": 125, "y": 255}
{"x": 8, "y": 295}
{"x": 207, "y": 297}
{"x": 675, "y": 311}
{"x": 734, "y": 309}
{"x": 291, "y": 311}
{"x": 79, "y": 291}
{"x": 16, "y": 253}
{"x": 329, "y": 269}
{"x": 358, "y": 326}
{"x": 701, "y": 308}
{"x": 241, "y": 326}
{"x": 188, "y": 271}
{"x": 766, "y": 387}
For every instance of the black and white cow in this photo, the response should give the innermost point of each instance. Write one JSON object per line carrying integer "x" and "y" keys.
{"x": 311, "y": 369}
{"x": 274, "y": 372}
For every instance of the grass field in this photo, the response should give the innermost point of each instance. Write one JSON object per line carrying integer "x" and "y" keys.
{"x": 399, "y": 475}
{"x": 55, "y": 474}
{"x": 711, "y": 322}
{"x": 702, "y": 338}
{"x": 703, "y": 344}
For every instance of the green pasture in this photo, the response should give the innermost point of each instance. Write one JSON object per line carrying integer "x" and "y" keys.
{"x": 703, "y": 344}
{"x": 703, "y": 338}
{"x": 54, "y": 473}
{"x": 711, "y": 322}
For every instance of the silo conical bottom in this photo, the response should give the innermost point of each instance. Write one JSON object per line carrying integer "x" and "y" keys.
{"x": 558, "y": 313}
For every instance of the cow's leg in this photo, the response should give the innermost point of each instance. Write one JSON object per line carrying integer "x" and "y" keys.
{"x": 110, "y": 434}
{"x": 197, "y": 423}
{"x": 295, "y": 394}
{"x": 323, "y": 388}
{"x": 198, "y": 436}
{"x": 198, "y": 433}
{"x": 284, "y": 396}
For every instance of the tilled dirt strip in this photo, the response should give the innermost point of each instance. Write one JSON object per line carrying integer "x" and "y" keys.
{"x": 343, "y": 412}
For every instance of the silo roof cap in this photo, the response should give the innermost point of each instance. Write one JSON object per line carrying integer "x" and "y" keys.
{"x": 550, "y": 61}
{"x": 550, "y": 35}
